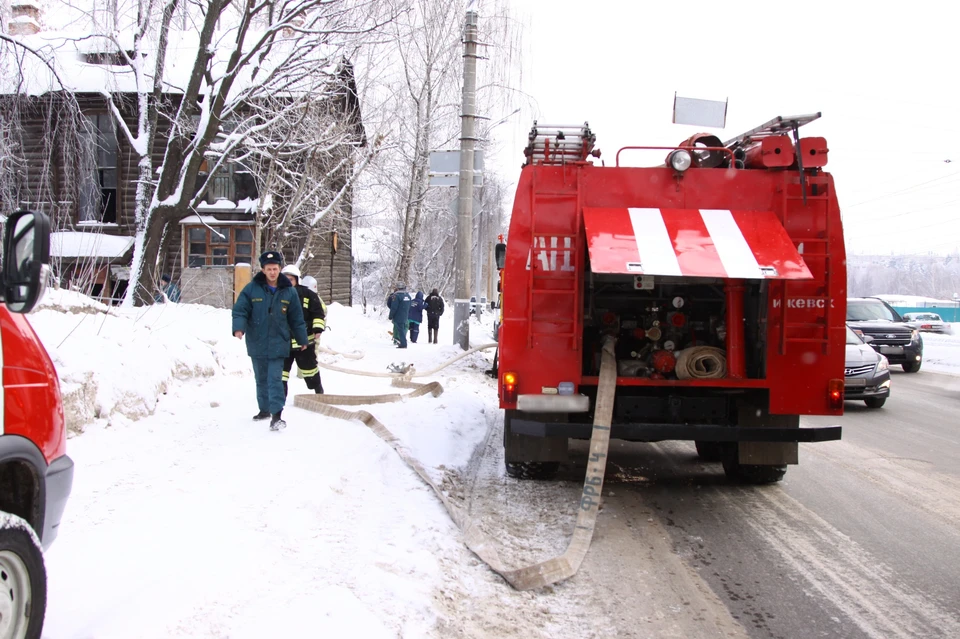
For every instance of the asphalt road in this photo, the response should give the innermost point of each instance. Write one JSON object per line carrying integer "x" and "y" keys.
{"x": 862, "y": 539}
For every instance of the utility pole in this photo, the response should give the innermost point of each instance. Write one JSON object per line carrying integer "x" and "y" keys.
{"x": 468, "y": 141}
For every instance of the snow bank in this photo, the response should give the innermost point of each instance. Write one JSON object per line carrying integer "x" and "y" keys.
{"x": 114, "y": 361}
{"x": 189, "y": 519}
{"x": 941, "y": 353}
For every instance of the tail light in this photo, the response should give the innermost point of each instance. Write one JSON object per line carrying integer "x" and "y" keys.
{"x": 509, "y": 394}
{"x": 835, "y": 393}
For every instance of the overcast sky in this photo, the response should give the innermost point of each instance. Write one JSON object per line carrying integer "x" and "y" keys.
{"x": 886, "y": 81}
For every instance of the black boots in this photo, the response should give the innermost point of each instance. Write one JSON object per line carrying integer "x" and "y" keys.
{"x": 276, "y": 423}
{"x": 261, "y": 416}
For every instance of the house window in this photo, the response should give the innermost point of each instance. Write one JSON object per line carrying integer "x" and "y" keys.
{"x": 218, "y": 245}
{"x": 98, "y": 193}
{"x": 232, "y": 182}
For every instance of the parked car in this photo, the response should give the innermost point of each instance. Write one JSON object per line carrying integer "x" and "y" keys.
{"x": 866, "y": 373}
{"x": 36, "y": 472}
{"x": 871, "y": 317}
{"x": 926, "y": 322}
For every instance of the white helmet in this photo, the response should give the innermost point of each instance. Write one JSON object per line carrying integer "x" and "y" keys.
{"x": 309, "y": 282}
{"x": 290, "y": 269}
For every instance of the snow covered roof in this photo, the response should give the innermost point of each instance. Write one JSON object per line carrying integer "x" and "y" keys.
{"x": 87, "y": 63}
{"x": 210, "y": 220}
{"x": 913, "y": 300}
{"x": 79, "y": 244}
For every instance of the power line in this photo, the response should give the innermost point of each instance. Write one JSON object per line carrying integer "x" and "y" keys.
{"x": 873, "y": 220}
{"x": 909, "y": 188}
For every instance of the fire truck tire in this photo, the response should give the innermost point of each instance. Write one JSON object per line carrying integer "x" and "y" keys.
{"x": 752, "y": 473}
{"x": 709, "y": 451}
{"x": 910, "y": 367}
{"x": 23, "y": 580}
{"x": 532, "y": 470}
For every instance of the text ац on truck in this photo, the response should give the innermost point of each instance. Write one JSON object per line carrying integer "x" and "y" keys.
{"x": 36, "y": 474}
{"x": 719, "y": 276}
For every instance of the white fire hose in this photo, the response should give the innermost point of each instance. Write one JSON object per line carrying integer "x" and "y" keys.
{"x": 529, "y": 577}
{"x": 701, "y": 362}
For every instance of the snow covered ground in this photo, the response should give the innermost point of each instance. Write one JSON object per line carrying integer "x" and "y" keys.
{"x": 941, "y": 353}
{"x": 188, "y": 519}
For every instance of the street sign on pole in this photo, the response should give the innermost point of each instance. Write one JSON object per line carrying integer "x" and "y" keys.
{"x": 445, "y": 168}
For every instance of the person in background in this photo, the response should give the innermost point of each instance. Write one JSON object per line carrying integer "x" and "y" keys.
{"x": 400, "y": 314}
{"x": 416, "y": 316}
{"x": 268, "y": 312}
{"x": 434, "y": 304}
{"x": 168, "y": 291}
{"x": 314, "y": 313}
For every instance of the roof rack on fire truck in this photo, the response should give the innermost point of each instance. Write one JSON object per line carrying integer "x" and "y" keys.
{"x": 780, "y": 125}
{"x": 559, "y": 144}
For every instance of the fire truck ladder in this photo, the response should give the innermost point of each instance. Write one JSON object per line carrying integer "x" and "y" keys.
{"x": 777, "y": 126}
{"x": 815, "y": 250}
{"x": 559, "y": 143}
{"x": 541, "y": 285}
{"x": 780, "y": 125}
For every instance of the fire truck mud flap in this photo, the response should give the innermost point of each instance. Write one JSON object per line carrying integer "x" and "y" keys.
{"x": 483, "y": 546}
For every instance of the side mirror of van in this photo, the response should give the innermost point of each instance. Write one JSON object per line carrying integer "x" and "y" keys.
{"x": 500, "y": 254}
{"x": 26, "y": 252}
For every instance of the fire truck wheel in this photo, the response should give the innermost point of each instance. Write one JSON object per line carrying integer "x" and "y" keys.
{"x": 709, "y": 451}
{"x": 910, "y": 367}
{"x": 752, "y": 473}
{"x": 23, "y": 580}
{"x": 532, "y": 470}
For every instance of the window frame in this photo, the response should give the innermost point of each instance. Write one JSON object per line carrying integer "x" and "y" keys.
{"x": 231, "y": 258}
{"x": 102, "y": 128}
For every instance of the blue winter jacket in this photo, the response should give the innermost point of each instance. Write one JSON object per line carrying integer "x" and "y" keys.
{"x": 400, "y": 308}
{"x": 416, "y": 308}
{"x": 269, "y": 320}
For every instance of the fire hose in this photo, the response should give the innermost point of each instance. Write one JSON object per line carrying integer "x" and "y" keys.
{"x": 701, "y": 362}
{"x": 529, "y": 577}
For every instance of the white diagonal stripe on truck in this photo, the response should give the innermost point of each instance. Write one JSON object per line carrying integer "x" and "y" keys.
{"x": 735, "y": 254}
{"x": 653, "y": 242}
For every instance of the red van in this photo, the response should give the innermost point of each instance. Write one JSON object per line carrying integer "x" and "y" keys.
{"x": 36, "y": 474}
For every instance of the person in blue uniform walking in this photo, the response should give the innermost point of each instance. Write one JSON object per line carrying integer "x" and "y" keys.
{"x": 400, "y": 314}
{"x": 268, "y": 312}
{"x": 416, "y": 316}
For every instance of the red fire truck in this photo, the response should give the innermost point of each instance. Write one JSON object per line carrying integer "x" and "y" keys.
{"x": 36, "y": 474}
{"x": 721, "y": 274}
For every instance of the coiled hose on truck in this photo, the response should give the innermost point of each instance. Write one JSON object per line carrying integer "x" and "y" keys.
{"x": 529, "y": 577}
{"x": 701, "y": 362}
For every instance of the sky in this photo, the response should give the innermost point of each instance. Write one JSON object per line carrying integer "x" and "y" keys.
{"x": 883, "y": 79}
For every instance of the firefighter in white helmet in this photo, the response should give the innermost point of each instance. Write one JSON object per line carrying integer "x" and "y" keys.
{"x": 314, "y": 314}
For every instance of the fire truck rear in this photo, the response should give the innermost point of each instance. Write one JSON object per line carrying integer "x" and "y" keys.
{"x": 720, "y": 275}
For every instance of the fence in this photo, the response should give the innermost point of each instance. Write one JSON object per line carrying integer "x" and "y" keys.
{"x": 947, "y": 314}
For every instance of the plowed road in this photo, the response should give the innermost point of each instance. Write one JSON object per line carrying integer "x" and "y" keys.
{"x": 862, "y": 539}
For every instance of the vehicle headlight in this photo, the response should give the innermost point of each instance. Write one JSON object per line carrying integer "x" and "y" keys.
{"x": 680, "y": 160}
{"x": 883, "y": 364}
{"x": 915, "y": 335}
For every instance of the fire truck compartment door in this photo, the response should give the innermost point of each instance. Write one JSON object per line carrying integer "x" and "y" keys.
{"x": 691, "y": 243}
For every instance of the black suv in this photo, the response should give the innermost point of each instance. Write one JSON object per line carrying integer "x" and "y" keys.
{"x": 881, "y": 327}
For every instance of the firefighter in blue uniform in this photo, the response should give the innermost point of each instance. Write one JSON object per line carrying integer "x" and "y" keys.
{"x": 269, "y": 313}
{"x": 400, "y": 314}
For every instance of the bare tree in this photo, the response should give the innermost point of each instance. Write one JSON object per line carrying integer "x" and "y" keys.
{"x": 419, "y": 96}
